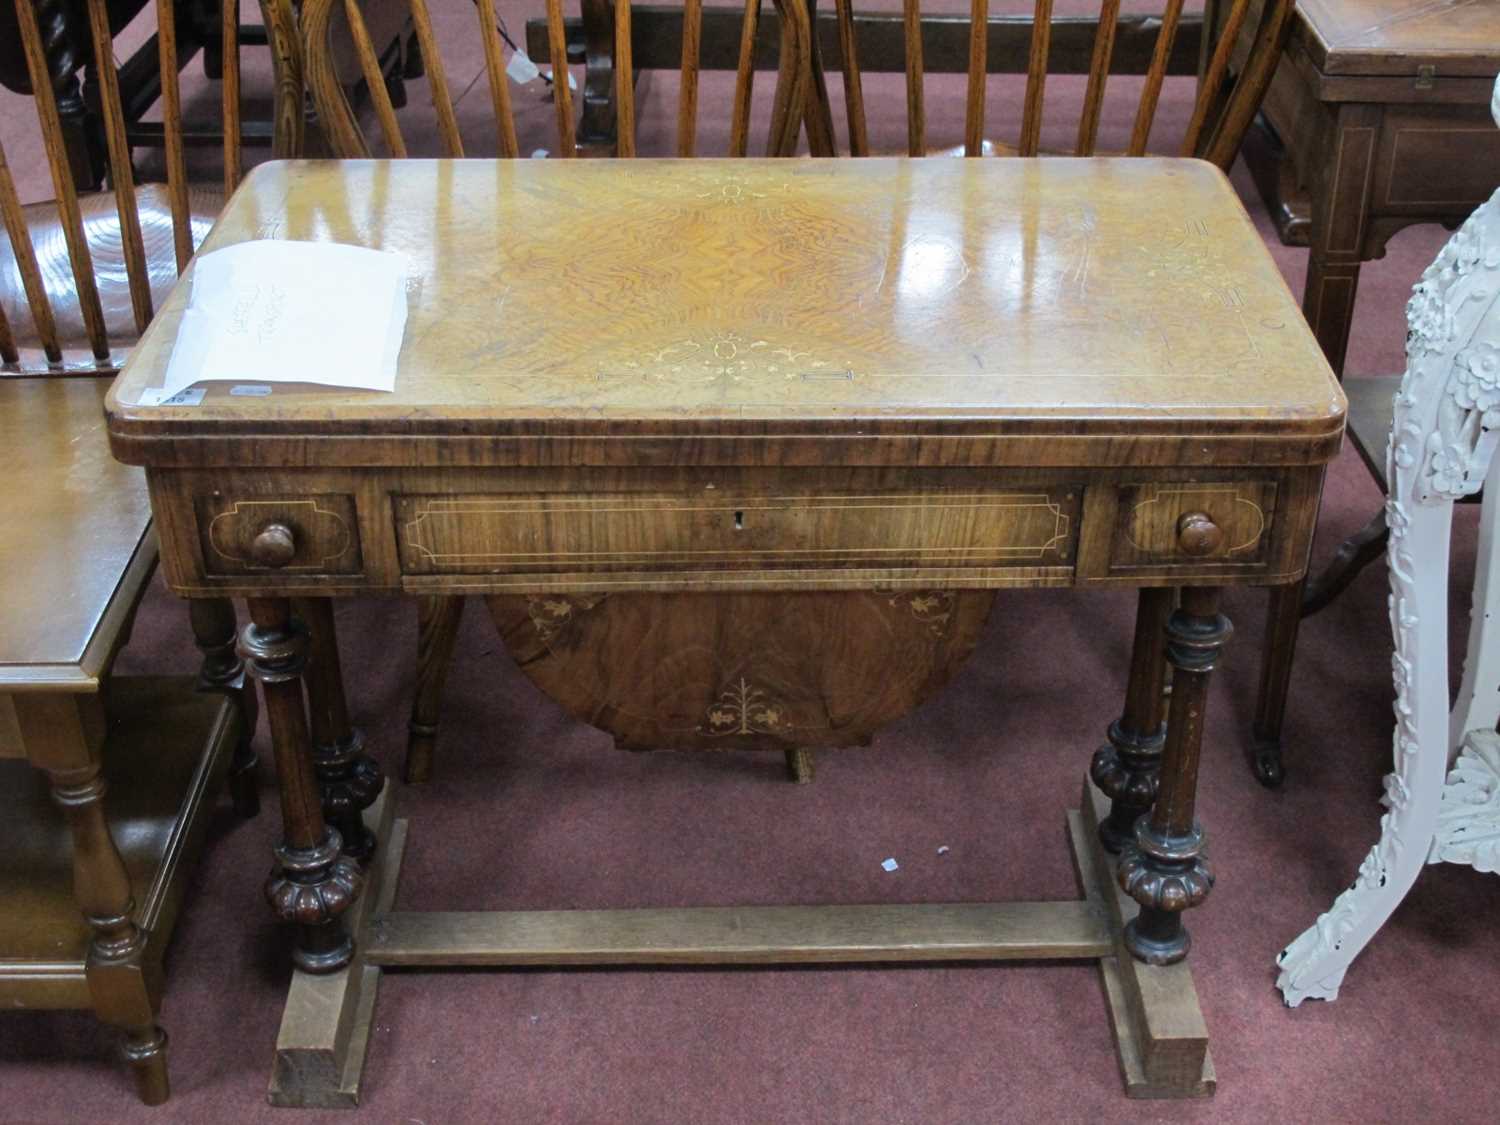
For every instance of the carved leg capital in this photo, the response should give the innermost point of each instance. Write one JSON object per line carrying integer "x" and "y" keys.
{"x": 274, "y": 655}
{"x": 1166, "y": 875}
{"x": 312, "y": 888}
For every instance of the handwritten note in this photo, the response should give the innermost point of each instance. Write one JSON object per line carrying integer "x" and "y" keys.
{"x": 290, "y": 312}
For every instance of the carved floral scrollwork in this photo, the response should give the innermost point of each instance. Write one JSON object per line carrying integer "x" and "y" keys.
{"x": 1469, "y": 818}
{"x": 1443, "y": 439}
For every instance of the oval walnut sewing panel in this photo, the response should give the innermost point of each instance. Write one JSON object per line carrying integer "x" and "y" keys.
{"x": 741, "y": 671}
{"x": 547, "y": 533}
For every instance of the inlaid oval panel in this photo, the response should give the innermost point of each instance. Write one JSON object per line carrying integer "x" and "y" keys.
{"x": 741, "y": 671}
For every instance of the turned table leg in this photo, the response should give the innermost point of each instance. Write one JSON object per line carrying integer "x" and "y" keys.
{"x": 1127, "y": 769}
{"x": 349, "y": 779}
{"x": 437, "y": 633}
{"x": 223, "y": 671}
{"x": 64, "y": 735}
{"x": 312, "y": 884}
{"x": 1283, "y": 616}
{"x": 116, "y": 967}
{"x": 1164, "y": 868}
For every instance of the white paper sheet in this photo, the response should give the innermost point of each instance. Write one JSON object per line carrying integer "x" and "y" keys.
{"x": 290, "y": 312}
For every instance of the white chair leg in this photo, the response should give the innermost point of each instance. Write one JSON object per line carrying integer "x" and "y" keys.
{"x": 1314, "y": 964}
{"x": 1478, "y": 703}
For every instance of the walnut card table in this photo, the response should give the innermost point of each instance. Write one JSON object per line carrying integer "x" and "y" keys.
{"x": 746, "y": 471}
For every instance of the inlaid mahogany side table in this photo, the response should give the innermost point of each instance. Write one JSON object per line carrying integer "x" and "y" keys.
{"x": 1379, "y": 119}
{"x": 826, "y": 409}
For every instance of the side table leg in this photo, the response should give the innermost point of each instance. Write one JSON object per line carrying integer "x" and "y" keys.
{"x": 312, "y": 884}
{"x": 1341, "y": 192}
{"x": 64, "y": 735}
{"x": 1127, "y": 769}
{"x": 437, "y": 633}
{"x": 1283, "y": 616}
{"x": 1164, "y": 869}
{"x": 222, "y": 670}
{"x": 116, "y": 959}
{"x": 349, "y": 779}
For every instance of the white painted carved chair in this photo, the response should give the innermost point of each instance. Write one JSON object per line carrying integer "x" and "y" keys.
{"x": 1443, "y": 800}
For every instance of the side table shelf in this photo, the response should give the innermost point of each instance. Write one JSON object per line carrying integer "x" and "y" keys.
{"x": 166, "y": 754}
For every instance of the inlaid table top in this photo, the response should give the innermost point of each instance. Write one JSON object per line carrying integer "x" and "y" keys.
{"x": 1009, "y": 304}
{"x": 1459, "y": 37}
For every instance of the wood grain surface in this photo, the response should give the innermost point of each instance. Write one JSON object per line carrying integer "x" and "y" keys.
{"x": 834, "y": 299}
{"x": 741, "y": 671}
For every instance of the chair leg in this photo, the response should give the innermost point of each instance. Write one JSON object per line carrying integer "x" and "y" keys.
{"x": 215, "y": 631}
{"x": 437, "y": 632}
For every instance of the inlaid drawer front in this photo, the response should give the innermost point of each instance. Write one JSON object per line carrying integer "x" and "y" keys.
{"x": 305, "y": 534}
{"x": 1227, "y": 522}
{"x": 572, "y": 532}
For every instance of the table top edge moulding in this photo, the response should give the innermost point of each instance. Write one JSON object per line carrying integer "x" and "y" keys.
{"x": 890, "y": 311}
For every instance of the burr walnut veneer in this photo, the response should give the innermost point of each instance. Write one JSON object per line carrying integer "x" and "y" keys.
{"x": 759, "y": 497}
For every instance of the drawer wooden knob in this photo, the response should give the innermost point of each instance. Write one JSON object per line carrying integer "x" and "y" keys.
{"x": 1197, "y": 534}
{"x": 274, "y": 547}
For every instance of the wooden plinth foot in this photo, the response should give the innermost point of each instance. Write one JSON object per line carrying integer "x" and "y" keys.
{"x": 1159, "y": 1031}
{"x": 325, "y": 1028}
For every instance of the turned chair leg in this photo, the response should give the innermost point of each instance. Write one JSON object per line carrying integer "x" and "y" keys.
{"x": 437, "y": 633}
{"x": 215, "y": 630}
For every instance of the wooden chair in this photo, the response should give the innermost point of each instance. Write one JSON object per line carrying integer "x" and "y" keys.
{"x": 439, "y": 618}
{"x": 1227, "y": 101}
{"x": 90, "y": 270}
{"x": 347, "y": 138}
{"x": 1443, "y": 798}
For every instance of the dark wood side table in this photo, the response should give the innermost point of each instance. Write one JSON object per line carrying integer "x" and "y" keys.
{"x": 1377, "y": 119}
{"x": 106, "y": 782}
{"x": 853, "y": 397}
{"x": 1382, "y": 107}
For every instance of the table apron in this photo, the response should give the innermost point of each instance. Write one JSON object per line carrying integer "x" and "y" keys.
{"x": 476, "y": 531}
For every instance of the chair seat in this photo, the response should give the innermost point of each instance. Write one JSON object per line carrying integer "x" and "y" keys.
{"x": 79, "y": 548}
{"x": 101, "y": 224}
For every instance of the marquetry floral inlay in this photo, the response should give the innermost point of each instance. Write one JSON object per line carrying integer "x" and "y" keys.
{"x": 725, "y": 357}
{"x": 933, "y": 608}
{"x": 743, "y": 709}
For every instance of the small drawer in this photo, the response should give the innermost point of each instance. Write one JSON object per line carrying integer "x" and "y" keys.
{"x": 1216, "y": 522}
{"x": 631, "y": 531}
{"x": 268, "y": 534}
